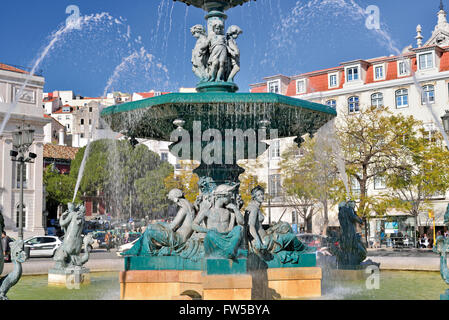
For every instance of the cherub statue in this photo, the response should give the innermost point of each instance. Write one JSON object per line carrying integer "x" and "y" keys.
{"x": 218, "y": 52}
{"x": 200, "y": 52}
{"x": 234, "y": 52}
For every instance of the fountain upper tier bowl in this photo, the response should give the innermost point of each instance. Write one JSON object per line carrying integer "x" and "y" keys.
{"x": 209, "y": 5}
{"x": 153, "y": 118}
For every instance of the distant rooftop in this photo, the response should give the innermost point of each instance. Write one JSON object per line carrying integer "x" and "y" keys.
{"x": 59, "y": 152}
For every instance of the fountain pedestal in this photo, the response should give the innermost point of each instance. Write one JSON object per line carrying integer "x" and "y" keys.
{"x": 69, "y": 277}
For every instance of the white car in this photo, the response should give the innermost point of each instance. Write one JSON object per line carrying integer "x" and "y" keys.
{"x": 43, "y": 246}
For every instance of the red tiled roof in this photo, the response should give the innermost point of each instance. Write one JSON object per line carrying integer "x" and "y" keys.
{"x": 59, "y": 152}
{"x": 10, "y": 68}
{"x": 147, "y": 95}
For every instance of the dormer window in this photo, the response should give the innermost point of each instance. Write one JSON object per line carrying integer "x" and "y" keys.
{"x": 333, "y": 80}
{"x": 352, "y": 74}
{"x": 426, "y": 61}
{"x": 379, "y": 72}
{"x": 274, "y": 86}
{"x": 301, "y": 86}
{"x": 403, "y": 68}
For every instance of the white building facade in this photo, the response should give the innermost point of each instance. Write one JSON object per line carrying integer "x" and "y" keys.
{"x": 27, "y": 112}
{"x": 384, "y": 81}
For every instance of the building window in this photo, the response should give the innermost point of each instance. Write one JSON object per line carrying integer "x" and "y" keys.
{"x": 90, "y": 109}
{"x": 23, "y": 217}
{"x": 377, "y": 100}
{"x": 352, "y": 74}
{"x": 90, "y": 121}
{"x": 275, "y": 150}
{"x": 94, "y": 206}
{"x": 355, "y": 185}
{"x": 273, "y": 86}
{"x": 353, "y": 104}
{"x": 275, "y": 185}
{"x": 164, "y": 156}
{"x": 428, "y": 94}
{"x": 332, "y": 103}
{"x": 16, "y": 169}
{"x": 68, "y": 126}
{"x": 403, "y": 68}
{"x": 81, "y": 135}
{"x": 379, "y": 72}
{"x": 59, "y": 117}
{"x": 402, "y": 98}
{"x": 67, "y": 117}
{"x": 426, "y": 61}
{"x": 333, "y": 80}
{"x": 301, "y": 86}
{"x": 82, "y": 121}
{"x": 379, "y": 182}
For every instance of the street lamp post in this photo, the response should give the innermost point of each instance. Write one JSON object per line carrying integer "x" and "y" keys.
{"x": 22, "y": 140}
{"x": 264, "y": 124}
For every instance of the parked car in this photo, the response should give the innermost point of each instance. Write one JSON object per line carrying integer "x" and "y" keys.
{"x": 312, "y": 240}
{"x": 43, "y": 246}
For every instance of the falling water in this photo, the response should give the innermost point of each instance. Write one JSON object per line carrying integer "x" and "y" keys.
{"x": 55, "y": 38}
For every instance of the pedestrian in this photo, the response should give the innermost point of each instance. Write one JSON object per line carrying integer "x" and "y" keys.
{"x": 5, "y": 247}
{"x": 126, "y": 238}
{"x": 107, "y": 239}
{"x": 446, "y": 234}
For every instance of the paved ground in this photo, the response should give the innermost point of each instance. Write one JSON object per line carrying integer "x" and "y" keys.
{"x": 100, "y": 260}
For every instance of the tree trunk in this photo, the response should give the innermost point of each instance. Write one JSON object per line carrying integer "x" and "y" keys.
{"x": 415, "y": 215}
{"x": 326, "y": 218}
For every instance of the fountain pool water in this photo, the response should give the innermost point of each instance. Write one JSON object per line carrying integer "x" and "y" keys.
{"x": 394, "y": 285}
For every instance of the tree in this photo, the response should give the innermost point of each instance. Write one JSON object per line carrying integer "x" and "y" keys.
{"x": 151, "y": 191}
{"x": 59, "y": 187}
{"x": 370, "y": 142}
{"x": 112, "y": 169}
{"x": 310, "y": 178}
{"x": 423, "y": 175}
{"x": 185, "y": 180}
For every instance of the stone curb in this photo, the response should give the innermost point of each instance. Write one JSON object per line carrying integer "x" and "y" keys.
{"x": 34, "y": 268}
{"x": 408, "y": 263}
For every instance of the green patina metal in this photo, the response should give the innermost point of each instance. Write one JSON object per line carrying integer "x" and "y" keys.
{"x": 153, "y": 118}
{"x": 214, "y": 4}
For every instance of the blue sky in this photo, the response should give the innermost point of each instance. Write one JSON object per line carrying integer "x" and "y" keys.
{"x": 142, "y": 45}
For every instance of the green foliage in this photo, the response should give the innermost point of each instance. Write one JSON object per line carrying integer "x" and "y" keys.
{"x": 185, "y": 180}
{"x": 119, "y": 172}
{"x": 370, "y": 142}
{"x": 151, "y": 191}
{"x": 310, "y": 177}
{"x": 59, "y": 187}
{"x": 424, "y": 172}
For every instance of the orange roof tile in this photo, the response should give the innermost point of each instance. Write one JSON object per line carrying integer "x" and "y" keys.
{"x": 59, "y": 152}
{"x": 10, "y": 68}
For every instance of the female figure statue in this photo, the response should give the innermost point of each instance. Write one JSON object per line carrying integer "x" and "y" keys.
{"x": 279, "y": 240}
